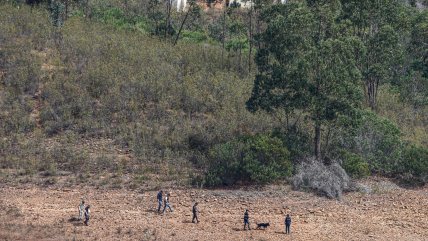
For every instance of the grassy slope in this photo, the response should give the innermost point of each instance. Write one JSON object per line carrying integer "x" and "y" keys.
{"x": 109, "y": 100}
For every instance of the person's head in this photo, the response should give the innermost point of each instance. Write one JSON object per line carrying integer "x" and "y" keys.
{"x": 87, "y": 207}
{"x": 288, "y": 215}
{"x": 83, "y": 201}
{"x": 196, "y": 203}
{"x": 161, "y": 191}
{"x": 246, "y": 210}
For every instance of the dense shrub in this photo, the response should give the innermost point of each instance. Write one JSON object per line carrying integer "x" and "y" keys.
{"x": 375, "y": 139}
{"x": 414, "y": 164}
{"x": 194, "y": 36}
{"x": 355, "y": 165}
{"x": 330, "y": 180}
{"x": 297, "y": 142}
{"x": 256, "y": 159}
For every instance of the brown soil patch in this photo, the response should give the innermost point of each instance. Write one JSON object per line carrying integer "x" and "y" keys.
{"x": 35, "y": 213}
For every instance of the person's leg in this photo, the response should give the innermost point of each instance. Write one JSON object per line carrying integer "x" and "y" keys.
{"x": 159, "y": 205}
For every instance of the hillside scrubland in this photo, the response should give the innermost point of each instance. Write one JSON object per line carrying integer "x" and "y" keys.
{"x": 104, "y": 94}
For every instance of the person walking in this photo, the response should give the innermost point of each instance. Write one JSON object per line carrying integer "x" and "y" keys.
{"x": 246, "y": 220}
{"x": 159, "y": 197}
{"x": 287, "y": 224}
{"x": 87, "y": 215}
{"x": 81, "y": 210}
{"x": 167, "y": 203}
{"x": 195, "y": 213}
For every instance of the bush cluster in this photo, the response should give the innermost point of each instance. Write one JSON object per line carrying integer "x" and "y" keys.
{"x": 355, "y": 165}
{"x": 255, "y": 159}
{"x": 414, "y": 164}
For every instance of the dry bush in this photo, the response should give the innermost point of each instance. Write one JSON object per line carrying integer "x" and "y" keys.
{"x": 330, "y": 180}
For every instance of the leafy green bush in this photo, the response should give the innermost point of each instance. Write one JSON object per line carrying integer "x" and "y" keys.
{"x": 355, "y": 165}
{"x": 297, "y": 142}
{"x": 194, "y": 36}
{"x": 414, "y": 163}
{"x": 255, "y": 159}
{"x": 114, "y": 16}
{"x": 375, "y": 139}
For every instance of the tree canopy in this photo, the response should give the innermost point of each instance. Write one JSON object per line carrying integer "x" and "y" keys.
{"x": 307, "y": 63}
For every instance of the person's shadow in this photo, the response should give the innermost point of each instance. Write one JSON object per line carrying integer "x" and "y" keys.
{"x": 240, "y": 229}
{"x": 150, "y": 210}
{"x": 75, "y": 221}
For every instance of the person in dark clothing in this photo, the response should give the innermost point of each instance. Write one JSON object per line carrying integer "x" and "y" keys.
{"x": 159, "y": 197}
{"x": 87, "y": 215}
{"x": 195, "y": 213}
{"x": 246, "y": 220}
{"x": 287, "y": 224}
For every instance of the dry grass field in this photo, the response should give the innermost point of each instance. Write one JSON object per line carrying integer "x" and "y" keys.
{"x": 388, "y": 212}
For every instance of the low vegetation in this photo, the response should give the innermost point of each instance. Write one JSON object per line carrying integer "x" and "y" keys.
{"x": 106, "y": 91}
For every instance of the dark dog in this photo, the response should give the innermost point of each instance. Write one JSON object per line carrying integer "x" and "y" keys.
{"x": 262, "y": 225}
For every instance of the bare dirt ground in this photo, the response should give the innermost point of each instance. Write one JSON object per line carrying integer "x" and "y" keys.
{"x": 387, "y": 213}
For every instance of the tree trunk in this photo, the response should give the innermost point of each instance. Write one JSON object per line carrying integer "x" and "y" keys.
{"x": 317, "y": 141}
{"x": 372, "y": 86}
{"x": 223, "y": 37}
{"x": 250, "y": 39}
{"x": 181, "y": 27}
{"x": 168, "y": 16}
{"x": 66, "y": 10}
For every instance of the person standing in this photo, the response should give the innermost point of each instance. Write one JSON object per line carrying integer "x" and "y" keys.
{"x": 246, "y": 220}
{"x": 195, "y": 213}
{"x": 87, "y": 215}
{"x": 81, "y": 210}
{"x": 287, "y": 224}
{"x": 159, "y": 197}
{"x": 167, "y": 203}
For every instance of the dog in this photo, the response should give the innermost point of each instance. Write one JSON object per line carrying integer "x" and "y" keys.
{"x": 262, "y": 225}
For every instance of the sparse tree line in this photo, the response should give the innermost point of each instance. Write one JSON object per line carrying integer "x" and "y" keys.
{"x": 232, "y": 96}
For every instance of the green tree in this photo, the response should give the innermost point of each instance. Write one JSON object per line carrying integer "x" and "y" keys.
{"x": 414, "y": 85}
{"x": 237, "y": 39}
{"x": 379, "y": 25}
{"x": 194, "y": 11}
{"x": 306, "y": 64}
